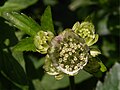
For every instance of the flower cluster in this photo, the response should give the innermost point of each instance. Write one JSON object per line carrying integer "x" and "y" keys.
{"x": 70, "y": 51}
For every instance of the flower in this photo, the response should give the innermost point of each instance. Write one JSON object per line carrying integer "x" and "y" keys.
{"x": 87, "y": 31}
{"x": 67, "y": 54}
{"x": 42, "y": 40}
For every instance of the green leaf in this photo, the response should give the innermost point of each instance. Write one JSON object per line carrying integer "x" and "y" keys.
{"x": 108, "y": 46}
{"x": 112, "y": 80}
{"x": 46, "y": 20}
{"x": 81, "y": 76}
{"x": 25, "y": 45}
{"x": 15, "y": 5}
{"x": 19, "y": 57}
{"x": 22, "y": 22}
{"x": 11, "y": 69}
{"x": 50, "y": 83}
{"x": 80, "y": 3}
{"x": 37, "y": 84}
{"x": 92, "y": 66}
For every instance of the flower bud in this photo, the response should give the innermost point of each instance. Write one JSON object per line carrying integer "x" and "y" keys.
{"x": 42, "y": 40}
{"x": 86, "y": 30}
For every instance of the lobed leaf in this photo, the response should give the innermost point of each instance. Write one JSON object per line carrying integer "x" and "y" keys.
{"x": 112, "y": 80}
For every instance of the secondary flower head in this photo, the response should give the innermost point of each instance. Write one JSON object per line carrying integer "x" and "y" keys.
{"x": 68, "y": 52}
{"x": 87, "y": 31}
{"x": 42, "y": 40}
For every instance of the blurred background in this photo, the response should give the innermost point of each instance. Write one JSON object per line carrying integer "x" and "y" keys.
{"x": 105, "y": 15}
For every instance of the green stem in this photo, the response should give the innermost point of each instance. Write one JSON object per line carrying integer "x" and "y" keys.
{"x": 72, "y": 82}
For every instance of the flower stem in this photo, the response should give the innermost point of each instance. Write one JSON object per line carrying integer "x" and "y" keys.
{"x": 72, "y": 82}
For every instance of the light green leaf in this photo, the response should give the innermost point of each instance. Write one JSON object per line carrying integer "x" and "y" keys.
{"x": 25, "y": 45}
{"x": 112, "y": 80}
{"x": 46, "y": 20}
{"x": 15, "y": 5}
{"x": 22, "y": 22}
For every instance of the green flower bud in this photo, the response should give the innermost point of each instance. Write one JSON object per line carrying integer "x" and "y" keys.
{"x": 86, "y": 30}
{"x": 68, "y": 52}
{"x": 42, "y": 40}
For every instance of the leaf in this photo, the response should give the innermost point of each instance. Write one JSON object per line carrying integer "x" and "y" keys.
{"x": 22, "y": 22}
{"x": 37, "y": 84}
{"x": 46, "y": 20}
{"x": 50, "y": 2}
{"x": 49, "y": 81}
{"x": 81, "y": 76}
{"x": 6, "y": 32}
{"x": 77, "y": 3}
{"x": 25, "y": 45}
{"x": 12, "y": 69}
{"x": 19, "y": 57}
{"x": 112, "y": 79}
{"x": 15, "y": 5}
{"x": 108, "y": 46}
{"x": 102, "y": 26}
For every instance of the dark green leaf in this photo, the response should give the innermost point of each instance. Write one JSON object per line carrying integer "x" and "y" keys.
{"x": 92, "y": 66}
{"x": 22, "y": 22}
{"x": 112, "y": 80}
{"x": 81, "y": 76}
{"x": 12, "y": 69}
{"x": 6, "y": 33}
{"x": 46, "y": 20}
{"x": 14, "y": 5}
{"x": 50, "y": 2}
{"x": 77, "y": 3}
{"x": 25, "y": 45}
{"x": 19, "y": 57}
